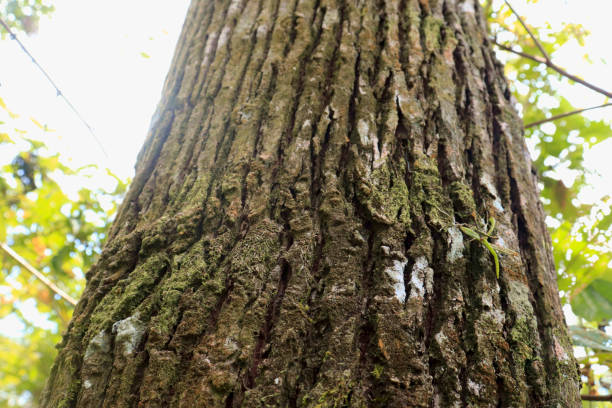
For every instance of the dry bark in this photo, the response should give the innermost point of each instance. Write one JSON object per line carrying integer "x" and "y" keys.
{"x": 290, "y": 237}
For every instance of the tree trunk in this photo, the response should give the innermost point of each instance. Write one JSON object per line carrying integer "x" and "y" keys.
{"x": 291, "y": 237}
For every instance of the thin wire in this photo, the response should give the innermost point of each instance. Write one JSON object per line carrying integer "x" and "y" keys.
{"x": 57, "y": 90}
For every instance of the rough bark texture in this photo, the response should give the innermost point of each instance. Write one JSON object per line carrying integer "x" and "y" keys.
{"x": 290, "y": 238}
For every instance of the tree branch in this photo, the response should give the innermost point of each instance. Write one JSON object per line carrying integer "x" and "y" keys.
{"x": 555, "y": 67}
{"x": 563, "y": 115}
{"x": 596, "y": 397}
{"x": 37, "y": 274}
{"x": 533, "y": 37}
{"x": 487, "y": 8}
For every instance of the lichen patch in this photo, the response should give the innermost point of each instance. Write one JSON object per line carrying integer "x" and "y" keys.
{"x": 128, "y": 334}
{"x": 468, "y": 7}
{"x": 486, "y": 181}
{"x": 364, "y": 132}
{"x": 100, "y": 343}
{"x": 455, "y": 243}
{"x": 421, "y": 278}
{"x": 498, "y": 204}
{"x": 474, "y": 387}
{"x": 559, "y": 351}
{"x": 396, "y": 273}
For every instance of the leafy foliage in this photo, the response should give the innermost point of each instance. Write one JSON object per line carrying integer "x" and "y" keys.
{"x": 592, "y": 338}
{"x": 580, "y": 230}
{"x": 23, "y": 15}
{"x": 59, "y": 232}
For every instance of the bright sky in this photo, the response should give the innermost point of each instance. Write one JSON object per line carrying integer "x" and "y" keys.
{"x": 110, "y": 59}
{"x": 594, "y": 15}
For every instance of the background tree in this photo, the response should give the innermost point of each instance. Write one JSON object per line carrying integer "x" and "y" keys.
{"x": 56, "y": 229}
{"x": 58, "y": 232}
{"x": 291, "y": 236}
{"x": 24, "y": 15}
{"x": 579, "y": 225}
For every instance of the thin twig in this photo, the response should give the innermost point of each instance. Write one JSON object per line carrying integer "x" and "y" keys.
{"x": 555, "y": 67}
{"x": 487, "y": 8}
{"x": 533, "y": 37}
{"x": 563, "y": 115}
{"x": 57, "y": 90}
{"x": 37, "y": 274}
{"x": 596, "y": 397}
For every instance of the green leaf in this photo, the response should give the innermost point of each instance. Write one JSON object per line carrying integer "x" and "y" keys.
{"x": 594, "y": 303}
{"x": 591, "y": 338}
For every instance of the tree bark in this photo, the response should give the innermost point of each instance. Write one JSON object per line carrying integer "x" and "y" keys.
{"x": 291, "y": 237}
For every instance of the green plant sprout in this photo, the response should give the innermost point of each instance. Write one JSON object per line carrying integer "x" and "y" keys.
{"x": 483, "y": 237}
